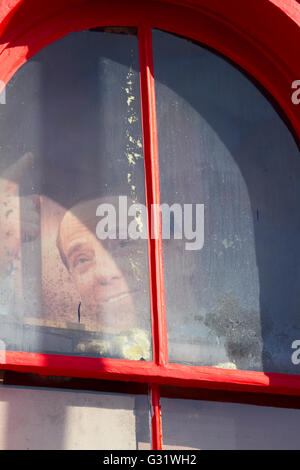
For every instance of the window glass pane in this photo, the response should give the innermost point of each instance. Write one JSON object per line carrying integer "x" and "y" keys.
{"x": 232, "y": 301}
{"x": 50, "y": 419}
{"x": 72, "y": 281}
{"x": 216, "y": 426}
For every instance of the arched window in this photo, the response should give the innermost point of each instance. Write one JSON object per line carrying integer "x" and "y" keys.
{"x": 149, "y": 209}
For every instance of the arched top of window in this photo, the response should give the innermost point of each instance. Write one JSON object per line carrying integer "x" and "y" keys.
{"x": 262, "y": 40}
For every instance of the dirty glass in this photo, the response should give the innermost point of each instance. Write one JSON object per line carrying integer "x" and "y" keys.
{"x": 71, "y": 279}
{"x": 208, "y": 425}
{"x": 232, "y": 289}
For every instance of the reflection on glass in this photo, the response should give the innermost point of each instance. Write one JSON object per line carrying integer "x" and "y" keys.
{"x": 71, "y": 142}
{"x": 235, "y": 302}
{"x": 227, "y": 426}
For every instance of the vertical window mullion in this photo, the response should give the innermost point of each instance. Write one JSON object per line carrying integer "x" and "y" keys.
{"x": 158, "y": 311}
{"x": 156, "y": 424}
{"x": 159, "y": 328}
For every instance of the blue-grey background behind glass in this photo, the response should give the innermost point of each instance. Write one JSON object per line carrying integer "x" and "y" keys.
{"x": 236, "y": 302}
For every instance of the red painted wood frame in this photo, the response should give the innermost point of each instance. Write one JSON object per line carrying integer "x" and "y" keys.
{"x": 262, "y": 39}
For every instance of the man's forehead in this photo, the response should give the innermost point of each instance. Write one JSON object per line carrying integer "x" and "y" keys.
{"x": 80, "y": 221}
{"x": 88, "y": 209}
{"x": 73, "y": 231}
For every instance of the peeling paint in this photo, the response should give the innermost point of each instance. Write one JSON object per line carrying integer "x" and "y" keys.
{"x": 134, "y": 144}
{"x": 135, "y": 269}
{"x": 226, "y": 365}
{"x": 140, "y": 225}
{"x": 227, "y": 244}
{"x": 130, "y": 99}
{"x": 132, "y": 119}
{"x": 130, "y": 159}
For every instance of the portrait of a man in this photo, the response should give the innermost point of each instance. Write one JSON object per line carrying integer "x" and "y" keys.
{"x": 105, "y": 281}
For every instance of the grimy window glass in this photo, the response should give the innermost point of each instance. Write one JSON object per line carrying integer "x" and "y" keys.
{"x": 71, "y": 142}
{"x": 232, "y": 296}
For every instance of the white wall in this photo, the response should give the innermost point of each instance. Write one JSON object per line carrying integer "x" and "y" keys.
{"x": 37, "y": 418}
{"x": 212, "y": 425}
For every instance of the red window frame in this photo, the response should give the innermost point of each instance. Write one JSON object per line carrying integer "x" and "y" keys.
{"x": 267, "y": 51}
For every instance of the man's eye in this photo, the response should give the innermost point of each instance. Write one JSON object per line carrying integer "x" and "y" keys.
{"x": 81, "y": 260}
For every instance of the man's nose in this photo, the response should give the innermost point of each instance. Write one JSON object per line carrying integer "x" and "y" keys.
{"x": 106, "y": 270}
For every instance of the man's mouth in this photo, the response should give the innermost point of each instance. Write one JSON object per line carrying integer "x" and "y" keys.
{"x": 117, "y": 298}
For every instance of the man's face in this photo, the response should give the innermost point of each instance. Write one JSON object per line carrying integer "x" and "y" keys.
{"x": 107, "y": 274}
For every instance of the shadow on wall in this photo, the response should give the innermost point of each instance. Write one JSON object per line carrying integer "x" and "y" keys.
{"x": 38, "y": 418}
